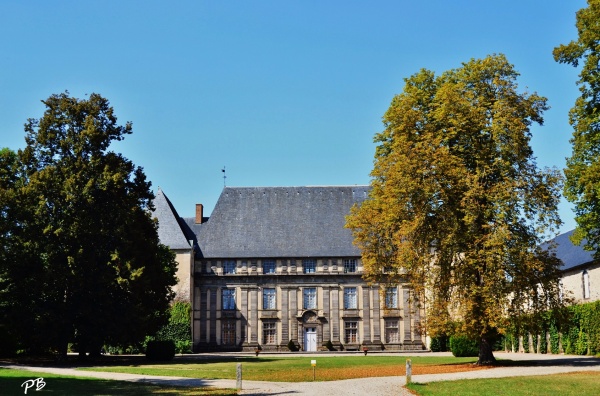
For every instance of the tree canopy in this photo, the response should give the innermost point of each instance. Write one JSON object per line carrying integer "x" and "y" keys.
{"x": 85, "y": 264}
{"x": 458, "y": 205}
{"x": 582, "y": 184}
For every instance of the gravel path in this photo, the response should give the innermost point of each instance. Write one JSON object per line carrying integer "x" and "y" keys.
{"x": 376, "y": 386}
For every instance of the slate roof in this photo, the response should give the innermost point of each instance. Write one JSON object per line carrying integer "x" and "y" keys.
{"x": 570, "y": 254}
{"x": 276, "y": 222}
{"x": 170, "y": 232}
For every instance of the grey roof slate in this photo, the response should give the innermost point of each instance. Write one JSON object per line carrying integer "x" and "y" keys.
{"x": 170, "y": 232}
{"x": 280, "y": 222}
{"x": 571, "y": 255}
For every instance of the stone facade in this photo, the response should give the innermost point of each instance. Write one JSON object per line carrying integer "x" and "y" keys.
{"x": 329, "y": 306}
{"x": 582, "y": 283}
{"x": 580, "y": 272}
{"x": 275, "y": 266}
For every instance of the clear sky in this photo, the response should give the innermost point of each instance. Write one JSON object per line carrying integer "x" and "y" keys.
{"x": 281, "y": 93}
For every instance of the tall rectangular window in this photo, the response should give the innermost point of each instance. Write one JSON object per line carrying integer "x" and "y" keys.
{"x": 349, "y": 265}
{"x": 229, "y": 267}
{"x": 269, "y": 333}
{"x": 228, "y": 333}
{"x": 586, "y": 284}
{"x": 228, "y": 299}
{"x": 351, "y": 333}
{"x": 310, "y": 297}
{"x": 391, "y": 297}
{"x": 268, "y": 266}
{"x": 269, "y": 298}
{"x": 309, "y": 266}
{"x": 350, "y": 298}
{"x": 392, "y": 331}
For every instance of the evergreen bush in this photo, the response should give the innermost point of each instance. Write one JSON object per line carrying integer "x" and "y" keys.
{"x": 439, "y": 343}
{"x": 462, "y": 346}
{"x": 291, "y": 346}
{"x": 329, "y": 345}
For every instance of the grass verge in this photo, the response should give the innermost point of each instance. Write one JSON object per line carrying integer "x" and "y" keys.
{"x": 295, "y": 369}
{"x": 11, "y": 382}
{"x": 576, "y": 384}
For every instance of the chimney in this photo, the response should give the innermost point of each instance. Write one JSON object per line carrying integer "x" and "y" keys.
{"x": 199, "y": 213}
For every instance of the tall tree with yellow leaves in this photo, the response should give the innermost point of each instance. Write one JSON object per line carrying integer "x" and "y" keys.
{"x": 458, "y": 205}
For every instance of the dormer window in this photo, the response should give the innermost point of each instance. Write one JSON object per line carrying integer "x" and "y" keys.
{"x": 229, "y": 267}
{"x": 309, "y": 266}
{"x": 349, "y": 266}
{"x": 268, "y": 266}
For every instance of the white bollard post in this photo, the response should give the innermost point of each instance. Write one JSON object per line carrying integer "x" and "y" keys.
{"x": 238, "y": 376}
{"x": 408, "y": 371}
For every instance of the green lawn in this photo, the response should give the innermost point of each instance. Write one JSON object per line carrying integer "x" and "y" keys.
{"x": 11, "y": 384}
{"x": 576, "y": 384}
{"x": 290, "y": 369}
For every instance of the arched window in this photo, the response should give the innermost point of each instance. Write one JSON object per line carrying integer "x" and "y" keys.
{"x": 586, "y": 284}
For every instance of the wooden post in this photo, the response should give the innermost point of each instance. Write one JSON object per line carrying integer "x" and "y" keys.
{"x": 238, "y": 376}
{"x": 408, "y": 371}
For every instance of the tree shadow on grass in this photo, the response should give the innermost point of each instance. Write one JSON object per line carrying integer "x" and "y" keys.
{"x": 558, "y": 361}
{"x": 56, "y": 385}
{"x": 73, "y": 361}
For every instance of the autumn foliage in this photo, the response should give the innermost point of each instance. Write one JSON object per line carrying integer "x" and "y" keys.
{"x": 458, "y": 205}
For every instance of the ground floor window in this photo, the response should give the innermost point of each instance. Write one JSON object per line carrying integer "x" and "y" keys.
{"x": 392, "y": 331}
{"x": 269, "y": 333}
{"x": 228, "y": 336}
{"x": 351, "y": 333}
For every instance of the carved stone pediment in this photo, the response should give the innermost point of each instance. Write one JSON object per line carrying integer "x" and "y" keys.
{"x": 309, "y": 317}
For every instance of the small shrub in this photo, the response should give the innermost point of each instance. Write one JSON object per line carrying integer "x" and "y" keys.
{"x": 439, "y": 344}
{"x": 160, "y": 350}
{"x": 462, "y": 346}
{"x": 291, "y": 346}
{"x": 329, "y": 345}
{"x": 183, "y": 346}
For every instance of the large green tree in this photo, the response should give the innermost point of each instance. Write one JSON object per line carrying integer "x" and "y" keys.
{"x": 8, "y": 227}
{"x": 458, "y": 205}
{"x": 582, "y": 185}
{"x": 89, "y": 267}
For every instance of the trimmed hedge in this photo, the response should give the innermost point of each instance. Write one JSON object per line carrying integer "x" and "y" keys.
{"x": 439, "y": 344}
{"x": 462, "y": 346}
{"x": 160, "y": 350}
{"x": 578, "y": 335}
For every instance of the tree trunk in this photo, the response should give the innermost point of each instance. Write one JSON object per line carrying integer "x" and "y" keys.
{"x": 486, "y": 355}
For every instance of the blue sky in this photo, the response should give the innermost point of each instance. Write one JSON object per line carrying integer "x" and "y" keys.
{"x": 281, "y": 93}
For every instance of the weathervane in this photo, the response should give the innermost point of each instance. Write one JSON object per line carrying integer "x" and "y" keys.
{"x": 224, "y": 176}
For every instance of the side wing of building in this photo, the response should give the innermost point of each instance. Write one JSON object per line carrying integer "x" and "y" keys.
{"x": 171, "y": 232}
{"x": 580, "y": 272}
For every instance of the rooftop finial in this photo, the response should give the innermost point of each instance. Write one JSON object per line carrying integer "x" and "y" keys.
{"x": 224, "y": 176}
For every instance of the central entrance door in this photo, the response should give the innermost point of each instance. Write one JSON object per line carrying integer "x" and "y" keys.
{"x": 310, "y": 339}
